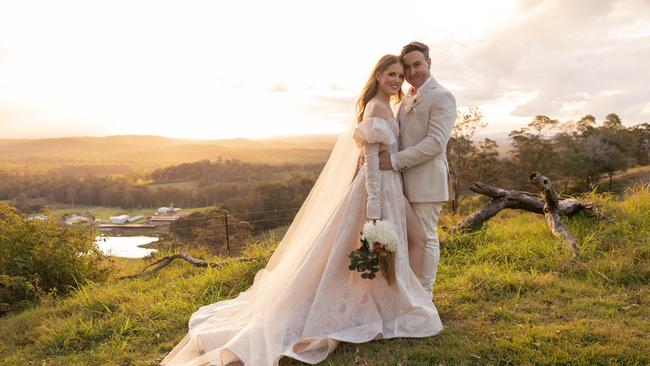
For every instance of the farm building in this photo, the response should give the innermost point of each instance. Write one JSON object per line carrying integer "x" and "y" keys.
{"x": 122, "y": 219}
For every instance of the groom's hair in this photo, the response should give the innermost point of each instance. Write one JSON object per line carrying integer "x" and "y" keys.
{"x": 415, "y": 46}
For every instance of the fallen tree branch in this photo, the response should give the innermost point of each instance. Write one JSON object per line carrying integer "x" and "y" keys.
{"x": 164, "y": 262}
{"x": 502, "y": 199}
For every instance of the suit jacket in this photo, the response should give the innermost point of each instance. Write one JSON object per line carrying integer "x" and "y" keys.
{"x": 426, "y": 121}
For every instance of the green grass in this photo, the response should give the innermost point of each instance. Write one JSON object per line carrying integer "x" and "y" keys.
{"x": 272, "y": 234}
{"x": 100, "y": 212}
{"x": 509, "y": 294}
{"x": 623, "y": 180}
{"x": 104, "y": 213}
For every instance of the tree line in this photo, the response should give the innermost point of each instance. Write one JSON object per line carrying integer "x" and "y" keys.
{"x": 230, "y": 170}
{"x": 266, "y": 194}
{"x": 574, "y": 154}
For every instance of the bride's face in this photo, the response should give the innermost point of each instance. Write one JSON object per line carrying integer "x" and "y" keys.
{"x": 390, "y": 81}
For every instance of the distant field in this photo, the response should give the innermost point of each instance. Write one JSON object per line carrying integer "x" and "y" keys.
{"x": 635, "y": 175}
{"x": 100, "y": 212}
{"x": 630, "y": 178}
{"x": 198, "y": 209}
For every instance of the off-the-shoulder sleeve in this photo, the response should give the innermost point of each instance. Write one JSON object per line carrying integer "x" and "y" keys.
{"x": 373, "y": 135}
{"x": 374, "y": 131}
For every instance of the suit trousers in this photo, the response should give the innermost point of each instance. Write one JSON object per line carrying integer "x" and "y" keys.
{"x": 428, "y": 214}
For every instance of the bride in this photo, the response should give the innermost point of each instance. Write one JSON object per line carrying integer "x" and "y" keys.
{"x": 307, "y": 300}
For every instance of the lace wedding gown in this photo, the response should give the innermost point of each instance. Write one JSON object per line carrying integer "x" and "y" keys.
{"x": 303, "y": 312}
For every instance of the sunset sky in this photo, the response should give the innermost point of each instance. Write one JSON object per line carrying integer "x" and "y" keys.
{"x": 213, "y": 69}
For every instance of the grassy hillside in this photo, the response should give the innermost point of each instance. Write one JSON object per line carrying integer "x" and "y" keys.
{"x": 639, "y": 175}
{"x": 508, "y": 294}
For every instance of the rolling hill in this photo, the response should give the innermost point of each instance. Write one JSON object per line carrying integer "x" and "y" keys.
{"x": 150, "y": 152}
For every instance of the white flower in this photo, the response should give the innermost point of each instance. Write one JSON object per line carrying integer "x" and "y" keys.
{"x": 382, "y": 232}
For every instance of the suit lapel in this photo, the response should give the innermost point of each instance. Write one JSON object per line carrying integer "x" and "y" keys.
{"x": 432, "y": 84}
{"x": 403, "y": 115}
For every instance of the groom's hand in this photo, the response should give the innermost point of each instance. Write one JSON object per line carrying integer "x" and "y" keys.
{"x": 384, "y": 161}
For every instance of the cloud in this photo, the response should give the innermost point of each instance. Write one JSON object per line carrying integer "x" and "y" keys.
{"x": 279, "y": 87}
{"x": 335, "y": 107}
{"x": 515, "y": 60}
{"x": 4, "y": 54}
{"x": 22, "y": 122}
{"x": 569, "y": 54}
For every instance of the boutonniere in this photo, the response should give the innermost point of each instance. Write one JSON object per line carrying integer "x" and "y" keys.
{"x": 414, "y": 103}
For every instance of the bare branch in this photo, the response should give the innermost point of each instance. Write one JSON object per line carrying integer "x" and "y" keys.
{"x": 549, "y": 204}
{"x": 164, "y": 262}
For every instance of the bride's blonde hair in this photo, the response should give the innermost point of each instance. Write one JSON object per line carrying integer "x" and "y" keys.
{"x": 372, "y": 85}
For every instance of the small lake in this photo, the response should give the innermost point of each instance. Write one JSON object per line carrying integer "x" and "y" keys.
{"x": 125, "y": 246}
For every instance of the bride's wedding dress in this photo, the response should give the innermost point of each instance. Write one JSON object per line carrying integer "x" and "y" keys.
{"x": 307, "y": 300}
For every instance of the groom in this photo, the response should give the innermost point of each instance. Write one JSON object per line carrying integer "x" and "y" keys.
{"x": 426, "y": 118}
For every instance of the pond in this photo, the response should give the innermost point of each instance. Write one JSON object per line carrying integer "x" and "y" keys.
{"x": 125, "y": 246}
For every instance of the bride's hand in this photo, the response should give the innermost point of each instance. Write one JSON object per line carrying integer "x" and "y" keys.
{"x": 384, "y": 161}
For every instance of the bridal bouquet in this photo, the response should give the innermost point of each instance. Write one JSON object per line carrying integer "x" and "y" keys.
{"x": 378, "y": 245}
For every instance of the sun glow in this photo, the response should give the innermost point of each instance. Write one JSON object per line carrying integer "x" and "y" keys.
{"x": 202, "y": 69}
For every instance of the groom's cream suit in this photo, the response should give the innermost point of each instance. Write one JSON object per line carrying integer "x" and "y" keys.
{"x": 426, "y": 120}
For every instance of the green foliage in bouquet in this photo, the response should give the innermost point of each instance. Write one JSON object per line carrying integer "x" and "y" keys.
{"x": 364, "y": 260}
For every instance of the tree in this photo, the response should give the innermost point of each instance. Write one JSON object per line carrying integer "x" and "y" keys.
{"x": 467, "y": 124}
{"x": 489, "y": 167}
{"x": 586, "y": 124}
{"x": 613, "y": 121}
{"x": 71, "y": 195}
{"x": 604, "y": 151}
{"x": 541, "y": 125}
{"x": 642, "y": 150}
{"x": 21, "y": 203}
{"x": 532, "y": 151}
{"x": 461, "y": 152}
{"x": 622, "y": 144}
{"x": 573, "y": 167}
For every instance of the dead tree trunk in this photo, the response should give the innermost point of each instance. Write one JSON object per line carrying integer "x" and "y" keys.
{"x": 502, "y": 198}
{"x": 551, "y": 209}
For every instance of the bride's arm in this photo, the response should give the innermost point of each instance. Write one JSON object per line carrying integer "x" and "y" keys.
{"x": 373, "y": 182}
{"x": 375, "y": 113}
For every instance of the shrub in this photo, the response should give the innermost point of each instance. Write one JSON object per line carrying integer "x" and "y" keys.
{"x": 41, "y": 257}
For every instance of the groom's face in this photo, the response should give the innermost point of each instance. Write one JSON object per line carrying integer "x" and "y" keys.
{"x": 416, "y": 68}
